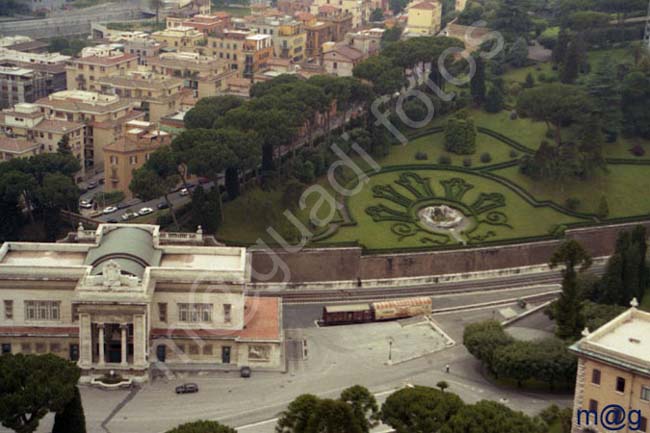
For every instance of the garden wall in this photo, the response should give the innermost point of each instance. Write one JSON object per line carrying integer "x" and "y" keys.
{"x": 338, "y": 264}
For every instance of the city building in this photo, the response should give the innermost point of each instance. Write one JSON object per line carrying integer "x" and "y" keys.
{"x": 204, "y": 75}
{"x": 25, "y": 77}
{"x": 130, "y": 152}
{"x": 424, "y": 19}
{"x": 103, "y": 118}
{"x": 142, "y": 48}
{"x": 29, "y": 124}
{"x": 130, "y": 298}
{"x": 358, "y": 9}
{"x": 614, "y": 369}
{"x": 341, "y": 59}
{"x": 470, "y": 35}
{"x": 21, "y": 85}
{"x": 96, "y": 63}
{"x": 206, "y": 24}
{"x": 289, "y": 36}
{"x": 318, "y": 32}
{"x": 12, "y": 147}
{"x": 341, "y": 21}
{"x": 366, "y": 41}
{"x": 180, "y": 38}
{"x": 155, "y": 95}
{"x": 243, "y": 51}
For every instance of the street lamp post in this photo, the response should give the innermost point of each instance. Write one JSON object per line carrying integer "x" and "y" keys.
{"x": 390, "y": 349}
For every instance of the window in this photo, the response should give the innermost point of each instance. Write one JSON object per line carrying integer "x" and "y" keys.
{"x": 595, "y": 376}
{"x": 133, "y": 159}
{"x": 194, "y": 349}
{"x": 593, "y": 405}
{"x": 9, "y": 310}
{"x": 227, "y": 310}
{"x": 207, "y": 349}
{"x": 42, "y": 310}
{"x": 645, "y": 393}
{"x": 334, "y": 65}
{"x": 40, "y": 347}
{"x": 195, "y": 312}
{"x": 620, "y": 384}
{"x": 643, "y": 424}
{"x": 26, "y": 348}
{"x": 162, "y": 312}
{"x": 55, "y": 347}
{"x": 113, "y": 159}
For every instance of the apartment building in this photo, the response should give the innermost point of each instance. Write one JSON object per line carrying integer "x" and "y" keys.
{"x": 96, "y": 63}
{"x": 142, "y": 48}
{"x": 367, "y": 41}
{"x": 243, "y": 51}
{"x": 180, "y": 38}
{"x": 12, "y": 147}
{"x": 103, "y": 117}
{"x": 318, "y": 32}
{"x": 155, "y": 95}
{"x": 289, "y": 36}
{"x": 206, "y": 24}
{"x": 341, "y": 21}
{"x": 21, "y": 85}
{"x": 358, "y": 9}
{"x": 424, "y": 19}
{"x": 48, "y": 68}
{"x": 614, "y": 369}
{"x": 341, "y": 60}
{"x": 125, "y": 296}
{"x": 204, "y": 75}
{"x": 130, "y": 152}
{"x": 29, "y": 124}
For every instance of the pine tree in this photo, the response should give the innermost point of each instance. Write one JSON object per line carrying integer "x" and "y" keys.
{"x": 72, "y": 418}
{"x": 567, "y": 313}
{"x": 560, "y": 49}
{"x": 604, "y": 87}
{"x": 571, "y": 64}
{"x": 477, "y": 82}
{"x": 530, "y": 81}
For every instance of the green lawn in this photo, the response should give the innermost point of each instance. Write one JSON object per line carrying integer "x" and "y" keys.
{"x": 376, "y": 235}
{"x": 619, "y": 185}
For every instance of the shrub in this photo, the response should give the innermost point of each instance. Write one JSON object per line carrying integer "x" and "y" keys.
{"x": 572, "y": 203}
{"x": 549, "y": 133}
{"x": 421, "y": 156}
{"x": 541, "y": 77}
{"x": 486, "y": 157}
{"x": 467, "y": 162}
{"x": 637, "y": 150}
{"x": 514, "y": 153}
{"x": 460, "y": 135}
{"x": 444, "y": 160}
{"x": 513, "y": 115}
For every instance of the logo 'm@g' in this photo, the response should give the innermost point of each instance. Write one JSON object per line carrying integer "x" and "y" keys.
{"x": 612, "y": 417}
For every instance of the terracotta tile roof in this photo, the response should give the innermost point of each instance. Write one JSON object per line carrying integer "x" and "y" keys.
{"x": 58, "y": 126}
{"x": 328, "y": 8}
{"x": 347, "y": 52}
{"x": 425, "y": 5}
{"x": 98, "y": 60}
{"x": 25, "y": 331}
{"x": 262, "y": 320}
{"x": 16, "y": 145}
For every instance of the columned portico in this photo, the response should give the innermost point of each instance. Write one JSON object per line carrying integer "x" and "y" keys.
{"x": 111, "y": 339}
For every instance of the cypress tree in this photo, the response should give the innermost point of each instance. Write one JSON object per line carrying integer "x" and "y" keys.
{"x": 72, "y": 418}
{"x": 571, "y": 65}
{"x": 477, "y": 82}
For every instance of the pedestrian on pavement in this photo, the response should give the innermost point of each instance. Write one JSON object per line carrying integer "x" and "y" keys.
{"x": 447, "y": 368}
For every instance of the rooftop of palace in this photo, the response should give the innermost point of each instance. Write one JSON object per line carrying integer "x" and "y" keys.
{"x": 624, "y": 341}
{"x": 140, "y": 252}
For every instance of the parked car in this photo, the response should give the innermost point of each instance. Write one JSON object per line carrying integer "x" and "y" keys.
{"x": 163, "y": 205}
{"x": 245, "y": 371}
{"x": 128, "y": 215}
{"x": 111, "y": 221}
{"x": 187, "y": 388}
{"x": 145, "y": 211}
{"x": 92, "y": 184}
{"x": 122, "y": 205}
{"x": 203, "y": 180}
{"x": 184, "y": 192}
{"x": 86, "y": 204}
{"x": 101, "y": 181}
{"x": 109, "y": 209}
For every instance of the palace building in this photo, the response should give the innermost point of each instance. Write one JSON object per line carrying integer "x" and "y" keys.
{"x": 133, "y": 299}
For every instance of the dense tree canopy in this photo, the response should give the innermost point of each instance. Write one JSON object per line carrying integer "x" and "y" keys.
{"x": 202, "y": 427}
{"x": 419, "y": 409}
{"x": 491, "y": 417}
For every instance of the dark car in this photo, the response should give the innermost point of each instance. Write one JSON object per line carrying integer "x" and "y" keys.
{"x": 245, "y": 371}
{"x": 92, "y": 184}
{"x": 187, "y": 388}
{"x": 163, "y": 205}
{"x": 122, "y": 205}
{"x": 111, "y": 221}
